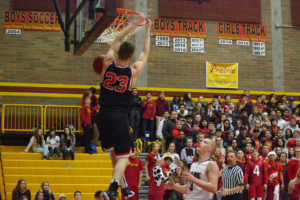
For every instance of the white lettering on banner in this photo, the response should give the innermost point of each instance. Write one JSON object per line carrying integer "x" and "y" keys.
{"x": 227, "y": 42}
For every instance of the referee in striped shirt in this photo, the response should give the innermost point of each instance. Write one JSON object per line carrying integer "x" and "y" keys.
{"x": 232, "y": 179}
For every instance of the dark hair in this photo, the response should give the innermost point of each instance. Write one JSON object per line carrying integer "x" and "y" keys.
{"x": 181, "y": 104}
{"x": 23, "y": 197}
{"x": 37, "y": 195}
{"x": 174, "y": 98}
{"x": 126, "y": 51}
{"x": 77, "y": 192}
{"x": 93, "y": 90}
{"x": 186, "y": 97}
{"x": 16, "y": 191}
{"x": 97, "y": 194}
{"x": 148, "y": 92}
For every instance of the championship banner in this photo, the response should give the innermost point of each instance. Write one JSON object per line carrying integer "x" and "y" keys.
{"x": 31, "y": 20}
{"x": 236, "y": 31}
{"x": 179, "y": 28}
{"x": 221, "y": 75}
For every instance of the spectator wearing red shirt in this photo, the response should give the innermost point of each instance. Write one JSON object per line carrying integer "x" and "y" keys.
{"x": 255, "y": 177}
{"x": 188, "y": 126}
{"x": 275, "y": 177}
{"x": 133, "y": 175}
{"x": 86, "y": 123}
{"x": 149, "y": 112}
{"x": 150, "y": 161}
{"x": 259, "y": 104}
{"x": 203, "y": 127}
{"x": 176, "y": 130}
{"x": 292, "y": 168}
{"x": 161, "y": 106}
{"x": 221, "y": 165}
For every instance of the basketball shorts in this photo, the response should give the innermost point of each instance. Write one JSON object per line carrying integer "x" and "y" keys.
{"x": 114, "y": 128}
{"x": 256, "y": 191}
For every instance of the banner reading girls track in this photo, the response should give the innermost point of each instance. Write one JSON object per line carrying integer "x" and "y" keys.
{"x": 31, "y": 20}
{"x": 179, "y": 28}
{"x": 236, "y": 31}
{"x": 221, "y": 75}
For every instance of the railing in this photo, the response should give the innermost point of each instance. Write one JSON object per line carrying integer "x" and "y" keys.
{"x": 59, "y": 115}
{"x": 139, "y": 146}
{"x": 25, "y": 117}
{"x": 21, "y": 117}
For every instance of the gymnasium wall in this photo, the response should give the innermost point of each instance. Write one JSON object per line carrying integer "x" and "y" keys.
{"x": 38, "y": 57}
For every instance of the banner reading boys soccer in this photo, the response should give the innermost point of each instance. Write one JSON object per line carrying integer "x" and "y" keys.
{"x": 221, "y": 75}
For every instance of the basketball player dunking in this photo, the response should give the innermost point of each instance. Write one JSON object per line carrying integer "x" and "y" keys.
{"x": 118, "y": 78}
{"x": 203, "y": 176}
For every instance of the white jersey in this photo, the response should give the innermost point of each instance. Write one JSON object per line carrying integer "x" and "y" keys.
{"x": 195, "y": 192}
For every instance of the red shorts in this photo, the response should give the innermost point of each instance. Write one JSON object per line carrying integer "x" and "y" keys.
{"x": 256, "y": 191}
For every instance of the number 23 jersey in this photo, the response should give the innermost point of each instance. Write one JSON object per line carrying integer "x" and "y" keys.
{"x": 116, "y": 86}
{"x": 195, "y": 192}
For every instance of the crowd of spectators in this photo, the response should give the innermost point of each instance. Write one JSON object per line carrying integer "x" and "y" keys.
{"x": 21, "y": 192}
{"x": 267, "y": 125}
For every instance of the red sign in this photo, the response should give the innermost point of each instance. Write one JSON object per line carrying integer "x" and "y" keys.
{"x": 236, "y": 31}
{"x": 179, "y": 28}
{"x": 31, "y": 20}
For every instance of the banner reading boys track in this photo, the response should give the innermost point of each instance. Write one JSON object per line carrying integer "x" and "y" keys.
{"x": 31, "y": 20}
{"x": 236, "y": 31}
{"x": 179, "y": 28}
{"x": 221, "y": 75}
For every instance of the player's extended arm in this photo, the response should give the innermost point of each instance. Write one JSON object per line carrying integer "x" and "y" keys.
{"x": 139, "y": 65}
{"x": 170, "y": 185}
{"x": 115, "y": 46}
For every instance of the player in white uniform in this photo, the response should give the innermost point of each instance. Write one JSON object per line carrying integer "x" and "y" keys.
{"x": 203, "y": 176}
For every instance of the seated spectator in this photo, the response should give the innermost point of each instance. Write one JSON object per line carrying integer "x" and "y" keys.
{"x": 217, "y": 153}
{"x": 45, "y": 190}
{"x": 225, "y": 126}
{"x": 21, "y": 191}
{"x": 175, "y": 156}
{"x": 229, "y": 136}
{"x": 23, "y": 198}
{"x": 197, "y": 119}
{"x": 234, "y": 145}
{"x": 204, "y": 127}
{"x": 241, "y": 138}
{"x": 188, "y": 126}
{"x": 183, "y": 166}
{"x": 292, "y": 125}
{"x": 188, "y": 153}
{"x": 39, "y": 196}
{"x": 68, "y": 142}
{"x": 53, "y": 142}
{"x": 244, "y": 118}
{"x": 179, "y": 142}
{"x": 37, "y": 142}
{"x": 211, "y": 133}
{"x": 97, "y": 195}
{"x": 288, "y": 134}
{"x": 201, "y": 100}
{"x": 77, "y": 195}
{"x": 62, "y": 197}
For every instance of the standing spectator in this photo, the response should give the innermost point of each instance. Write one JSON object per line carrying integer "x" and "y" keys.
{"x": 292, "y": 168}
{"x": 193, "y": 134}
{"x": 174, "y": 105}
{"x": 161, "y": 106}
{"x": 38, "y": 144}
{"x": 265, "y": 120}
{"x": 221, "y": 164}
{"x": 77, "y": 195}
{"x": 254, "y": 116}
{"x": 241, "y": 138}
{"x": 203, "y": 127}
{"x": 211, "y": 131}
{"x": 283, "y": 162}
{"x": 232, "y": 179}
{"x": 21, "y": 190}
{"x": 177, "y": 129}
{"x": 187, "y": 154}
{"x": 292, "y": 125}
{"x": 275, "y": 177}
{"x": 240, "y": 159}
{"x": 133, "y": 175}
{"x": 176, "y": 177}
{"x": 219, "y": 145}
{"x": 188, "y": 126}
{"x": 53, "y": 142}
{"x": 159, "y": 134}
{"x": 290, "y": 106}
{"x": 182, "y": 112}
{"x": 68, "y": 142}
{"x": 264, "y": 152}
{"x": 149, "y": 111}
{"x": 226, "y": 105}
{"x": 180, "y": 142}
{"x": 168, "y": 128}
{"x": 281, "y": 123}
{"x": 175, "y": 156}
{"x": 47, "y": 194}
{"x": 188, "y": 102}
{"x": 150, "y": 161}
{"x": 135, "y": 113}
{"x": 197, "y": 109}
{"x": 259, "y": 104}
{"x": 255, "y": 177}
{"x": 86, "y": 124}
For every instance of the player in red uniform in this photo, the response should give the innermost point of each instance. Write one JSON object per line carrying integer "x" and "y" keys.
{"x": 255, "y": 177}
{"x": 133, "y": 175}
{"x": 275, "y": 177}
{"x": 292, "y": 169}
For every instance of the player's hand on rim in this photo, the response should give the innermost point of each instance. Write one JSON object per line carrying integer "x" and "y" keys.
{"x": 141, "y": 17}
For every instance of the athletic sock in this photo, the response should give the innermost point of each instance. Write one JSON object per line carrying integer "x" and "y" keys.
{"x": 114, "y": 185}
{"x": 123, "y": 183}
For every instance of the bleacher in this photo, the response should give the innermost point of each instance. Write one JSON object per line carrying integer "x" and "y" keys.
{"x": 88, "y": 173}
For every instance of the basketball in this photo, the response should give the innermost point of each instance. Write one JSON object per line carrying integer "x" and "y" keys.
{"x": 98, "y": 64}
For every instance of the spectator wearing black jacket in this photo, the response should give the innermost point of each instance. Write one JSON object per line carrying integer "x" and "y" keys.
{"x": 135, "y": 113}
{"x": 48, "y": 195}
{"x": 241, "y": 138}
{"x": 169, "y": 126}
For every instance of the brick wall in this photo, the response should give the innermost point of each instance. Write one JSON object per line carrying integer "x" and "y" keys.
{"x": 39, "y": 57}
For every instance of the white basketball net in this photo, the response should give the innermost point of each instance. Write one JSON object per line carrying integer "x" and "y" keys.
{"x": 121, "y": 21}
